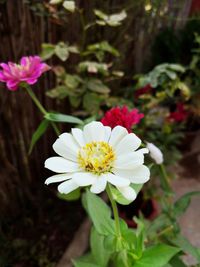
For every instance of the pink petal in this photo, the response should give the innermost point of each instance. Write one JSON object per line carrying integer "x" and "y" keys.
{"x": 2, "y": 77}
{"x": 24, "y": 61}
{"x": 12, "y": 85}
{"x": 31, "y": 81}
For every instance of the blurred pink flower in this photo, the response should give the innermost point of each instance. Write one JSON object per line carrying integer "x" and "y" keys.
{"x": 123, "y": 117}
{"x": 28, "y": 71}
{"x": 147, "y": 89}
{"x": 180, "y": 114}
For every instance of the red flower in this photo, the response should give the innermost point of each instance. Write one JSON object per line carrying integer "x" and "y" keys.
{"x": 123, "y": 117}
{"x": 144, "y": 90}
{"x": 180, "y": 114}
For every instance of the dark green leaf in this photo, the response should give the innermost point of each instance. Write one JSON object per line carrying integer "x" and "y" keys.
{"x": 62, "y": 118}
{"x": 38, "y": 133}
{"x": 75, "y": 101}
{"x": 183, "y": 202}
{"x": 177, "y": 262}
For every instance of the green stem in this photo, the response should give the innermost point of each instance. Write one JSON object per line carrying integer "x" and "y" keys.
{"x": 40, "y": 107}
{"x": 164, "y": 180}
{"x": 115, "y": 210}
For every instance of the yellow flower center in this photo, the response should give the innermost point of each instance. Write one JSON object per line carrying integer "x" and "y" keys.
{"x": 96, "y": 157}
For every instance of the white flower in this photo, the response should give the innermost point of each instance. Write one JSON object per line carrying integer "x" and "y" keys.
{"x": 155, "y": 153}
{"x": 97, "y": 156}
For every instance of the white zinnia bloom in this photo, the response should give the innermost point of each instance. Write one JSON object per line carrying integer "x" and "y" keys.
{"x": 155, "y": 153}
{"x": 96, "y": 156}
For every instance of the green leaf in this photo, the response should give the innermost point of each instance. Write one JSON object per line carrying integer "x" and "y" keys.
{"x": 74, "y": 195}
{"x": 100, "y": 14}
{"x": 59, "y": 92}
{"x": 99, "y": 252}
{"x": 75, "y": 101}
{"x": 48, "y": 51}
{"x": 97, "y": 86}
{"x": 69, "y": 6}
{"x": 110, "y": 243}
{"x": 55, "y": 2}
{"x": 85, "y": 261}
{"x": 99, "y": 213}
{"x": 62, "y": 118}
{"x": 122, "y": 259}
{"x": 129, "y": 235}
{"x": 186, "y": 246}
{"x": 177, "y": 262}
{"x": 118, "y": 197}
{"x": 137, "y": 187}
{"x": 103, "y": 46}
{"x": 92, "y": 102}
{"x": 116, "y": 19}
{"x": 61, "y": 51}
{"x": 73, "y": 49}
{"x": 156, "y": 256}
{"x": 183, "y": 202}
{"x": 93, "y": 67}
{"x": 38, "y": 133}
{"x": 112, "y": 20}
{"x": 72, "y": 81}
{"x": 140, "y": 233}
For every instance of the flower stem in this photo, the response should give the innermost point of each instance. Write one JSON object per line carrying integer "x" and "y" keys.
{"x": 164, "y": 180}
{"x": 41, "y": 108}
{"x": 115, "y": 210}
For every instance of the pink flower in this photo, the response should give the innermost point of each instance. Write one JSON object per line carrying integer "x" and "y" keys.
{"x": 147, "y": 89}
{"x": 180, "y": 114}
{"x": 28, "y": 71}
{"x": 123, "y": 117}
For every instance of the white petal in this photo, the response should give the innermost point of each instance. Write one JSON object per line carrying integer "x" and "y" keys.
{"x": 58, "y": 178}
{"x": 117, "y": 134}
{"x": 67, "y": 187}
{"x": 78, "y": 136}
{"x": 129, "y": 160}
{"x": 99, "y": 186}
{"x": 117, "y": 180}
{"x": 155, "y": 153}
{"x": 143, "y": 150}
{"x": 128, "y": 192}
{"x": 138, "y": 175}
{"x": 94, "y": 131}
{"x": 141, "y": 175}
{"x": 61, "y": 165}
{"x": 70, "y": 142}
{"x": 84, "y": 178}
{"x": 64, "y": 150}
{"x": 129, "y": 143}
{"x": 107, "y": 133}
